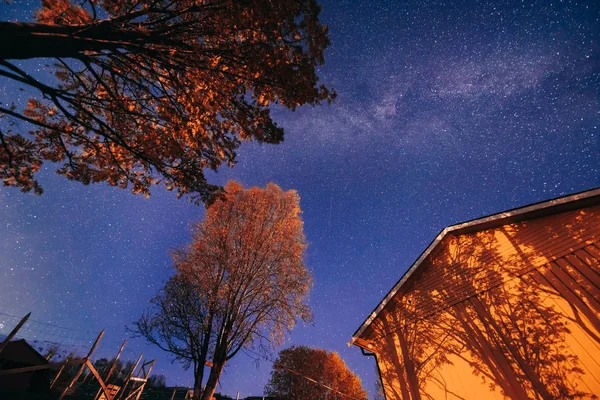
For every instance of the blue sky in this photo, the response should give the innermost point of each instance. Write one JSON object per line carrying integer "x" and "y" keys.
{"x": 446, "y": 111}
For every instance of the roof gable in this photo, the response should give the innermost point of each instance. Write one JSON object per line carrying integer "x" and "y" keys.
{"x": 530, "y": 212}
{"x": 22, "y": 352}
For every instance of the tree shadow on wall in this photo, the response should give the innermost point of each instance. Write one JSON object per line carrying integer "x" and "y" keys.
{"x": 501, "y": 306}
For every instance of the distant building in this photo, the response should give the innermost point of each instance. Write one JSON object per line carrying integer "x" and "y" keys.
{"x": 503, "y": 306}
{"x": 18, "y": 354}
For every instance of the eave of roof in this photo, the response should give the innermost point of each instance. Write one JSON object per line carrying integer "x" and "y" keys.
{"x": 531, "y": 211}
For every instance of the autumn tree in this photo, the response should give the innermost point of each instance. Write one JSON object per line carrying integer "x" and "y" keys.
{"x": 246, "y": 266}
{"x": 150, "y": 90}
{"x": 305, "y": 373}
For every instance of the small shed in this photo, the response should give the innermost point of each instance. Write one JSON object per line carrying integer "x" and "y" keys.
{"x": 505, "y": 306}
{"x": 19, "y": 354}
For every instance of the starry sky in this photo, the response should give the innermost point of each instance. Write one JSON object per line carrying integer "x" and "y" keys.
{"x": 446, "y": 111}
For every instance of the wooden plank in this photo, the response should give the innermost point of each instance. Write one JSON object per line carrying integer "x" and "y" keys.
{"x": 112, "y": 389}
{"x": 70, "y": 385}
{"x": 571, "y": 297}
{"x": 109, "y": 395}
{"x": 591, "y": 299}
{"x": 146, "y": 378}
{"x": 581, "y": 264}
{"x": 593, "y": 250}
{"x": 134, "y": 392}
{"x": 60, "y": 371}
{"x": 580, "y": 273}
{"x": 43, "y": 366}
{"x": 128, "y": 378}
{"x": 114, "y": 363}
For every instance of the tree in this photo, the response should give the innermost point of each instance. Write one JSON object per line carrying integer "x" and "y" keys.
{"x": 152, "y": 90}
{"x": 297, "y": 368}
{"x": 157, "y": 382}
{"x": 250, "y": 285}
{"x": 179, "y": 324}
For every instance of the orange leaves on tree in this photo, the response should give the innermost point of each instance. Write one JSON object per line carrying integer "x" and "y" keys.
{"x": 160, "y": 91}
{"x": 249, "y": 253}
{"x": 305, "y": 373}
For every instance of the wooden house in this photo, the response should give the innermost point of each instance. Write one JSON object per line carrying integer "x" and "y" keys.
{"x": 506, "y": 306}
{"x": 19, "y": 354}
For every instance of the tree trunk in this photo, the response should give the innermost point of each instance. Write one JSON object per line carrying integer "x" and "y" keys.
{"x": 199, "y": 374}
{"x": 213, "y": 379}
{"x": 198, "y": 378}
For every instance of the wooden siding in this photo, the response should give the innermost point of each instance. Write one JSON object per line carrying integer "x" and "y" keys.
{"x": 507, "y": 312}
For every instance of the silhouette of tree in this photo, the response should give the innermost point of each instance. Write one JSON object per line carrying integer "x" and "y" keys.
{"x": 149, "y": 91}
{"x": 179, "y": 323}
{"x": 157, "y": 381}
{"x": 292, "y": 367}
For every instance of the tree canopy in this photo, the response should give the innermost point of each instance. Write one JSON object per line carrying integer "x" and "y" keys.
{"x": 304, "y": 373}
{"x": 151, "y": 90}
{"x": 241, "y": 282}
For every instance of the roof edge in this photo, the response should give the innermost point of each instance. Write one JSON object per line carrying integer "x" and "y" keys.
{"x": 487, "y": 222}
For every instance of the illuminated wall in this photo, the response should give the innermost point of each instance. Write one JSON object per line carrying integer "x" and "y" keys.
{"x": 509, "y": 312}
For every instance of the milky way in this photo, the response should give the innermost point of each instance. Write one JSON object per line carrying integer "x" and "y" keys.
{"x": 445, "y": 112}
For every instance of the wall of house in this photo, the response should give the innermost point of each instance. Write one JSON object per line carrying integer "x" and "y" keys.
{"x": 510, "y": 312}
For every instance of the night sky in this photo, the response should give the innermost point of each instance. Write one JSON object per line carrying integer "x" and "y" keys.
{"x": 446, "y": 111}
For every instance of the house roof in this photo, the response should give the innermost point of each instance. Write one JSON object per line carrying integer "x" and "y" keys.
{"x": 536, "y": 210}
{"x": 23, "y": 352}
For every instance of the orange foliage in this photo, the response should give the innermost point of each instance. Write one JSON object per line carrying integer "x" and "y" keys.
{"x": 158, "y": 91}
{"x": 296, "y": 364}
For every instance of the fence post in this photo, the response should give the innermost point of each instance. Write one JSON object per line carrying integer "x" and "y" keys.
{"x": 114, "y": 363}
{"x": 128, "y": 378}
{"x": 62, "y": 367}
{"x": 111, "y": 369}
{"x": 83, "y": 365}
{"x": 147, "y": 375}
{"x": 14, "y": 332}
